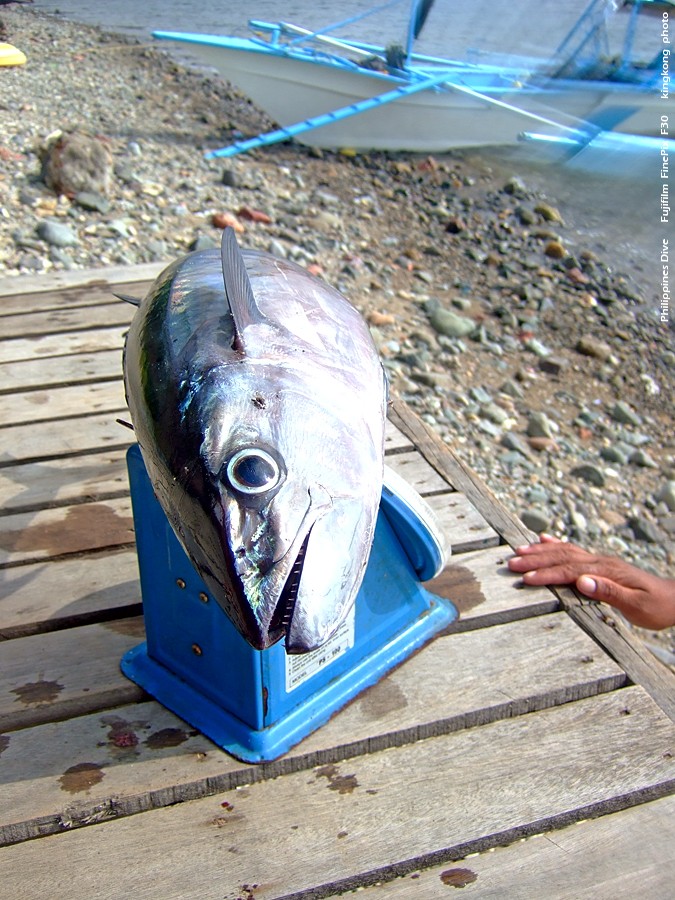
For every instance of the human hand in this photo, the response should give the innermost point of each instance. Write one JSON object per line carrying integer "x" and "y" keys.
{"x": 644, "y": 599}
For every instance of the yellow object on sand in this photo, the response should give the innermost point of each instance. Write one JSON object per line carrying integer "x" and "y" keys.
{"x": 10, "y": 56}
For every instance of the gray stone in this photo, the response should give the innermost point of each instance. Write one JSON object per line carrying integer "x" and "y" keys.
{"x": 92, "y": 201}
{"x": 58, "y": 254}
{"x": 515, "y": 186}
{"x": 538, "y": 425}
{"x": 635, "y": 438}
{"x": 230, "y": 178}
{"x": 56, "y": 234}
{"x": 621, "y": 412}
{"x": 644, "y": 530}
{"x": 525, "y": 216}
{"x": 480, "y": 395}
{"x": 446, "y": 322}
{"x": 667, "y": 495}
{"x": 614, "y": 454}
{"x": 590, "y": 346}
{"x": 119, "y": 227}
{"x": 552, "y": 365}
{"x": 592, "y": 474}
{"x": 494, "y": 413}
{"x": 536, "y": 519}
{"x": 202, "y": 242}
{"x": 536, "y": 347}
{"x": 515, "y": 442}
{"x": 537, "y": 494}
{"x": 512, "y": 389}
{"x": 489, "y": 428}
{"x": 643, "y": 459}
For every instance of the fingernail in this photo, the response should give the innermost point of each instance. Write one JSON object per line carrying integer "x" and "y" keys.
{"x": 587, "y": 585}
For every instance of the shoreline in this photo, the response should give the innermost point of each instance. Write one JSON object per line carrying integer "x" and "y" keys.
{"x": 498, "y": 320}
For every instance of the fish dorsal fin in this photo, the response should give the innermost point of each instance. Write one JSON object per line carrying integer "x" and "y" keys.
{"x": 238, "y": 290}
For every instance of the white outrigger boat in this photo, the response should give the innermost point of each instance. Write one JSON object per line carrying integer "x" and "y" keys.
{"x": 335, "y": 92}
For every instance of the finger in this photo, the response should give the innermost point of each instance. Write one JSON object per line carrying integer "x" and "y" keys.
{"x": 549, "y": 539}
{"x": 632, "y": 603}
{"x": 549, "y": 556}
{"x": 552, "y": 575}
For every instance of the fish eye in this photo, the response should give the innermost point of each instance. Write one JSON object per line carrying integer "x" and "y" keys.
{"x": 253, "y": 471}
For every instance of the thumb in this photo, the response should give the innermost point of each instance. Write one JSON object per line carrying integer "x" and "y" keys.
{"x": 603, "y": 589}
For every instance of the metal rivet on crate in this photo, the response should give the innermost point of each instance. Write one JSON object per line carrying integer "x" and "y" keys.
{"x": 203, "y": 597}
{"x": 181, "y": 583}
{"x": 197, "y": 650}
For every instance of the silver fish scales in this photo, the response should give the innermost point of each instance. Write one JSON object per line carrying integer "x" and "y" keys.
{"x": 259, "y": 402}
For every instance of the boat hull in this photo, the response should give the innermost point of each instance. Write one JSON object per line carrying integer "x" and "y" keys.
{"x": 291, "y": 90}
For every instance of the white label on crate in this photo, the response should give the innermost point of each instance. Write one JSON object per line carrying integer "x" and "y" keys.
{"x": 301, "y": 666}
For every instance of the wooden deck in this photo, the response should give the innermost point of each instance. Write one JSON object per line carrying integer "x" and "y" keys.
{"x": 529, "y": 752}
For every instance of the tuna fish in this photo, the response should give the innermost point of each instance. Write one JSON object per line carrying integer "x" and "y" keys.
{"x": 258, "y": 401}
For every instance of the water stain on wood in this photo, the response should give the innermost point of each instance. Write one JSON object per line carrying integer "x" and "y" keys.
{"x": 382, "y": 699}
{"x": 343, "y": 784}
{"x": 81, "y": 777}
{"x": 130, "y": 627}
{"x": 166, "y": 737}
{"x": 84, "y": 527}
{"x": 458, "y": 878}
{"x": 37, "y": 693}
{"x": 460, "y": 585}
{"x": 122, "y": 737}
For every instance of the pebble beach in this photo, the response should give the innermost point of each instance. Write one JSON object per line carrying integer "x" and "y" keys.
{"x": 542, "y": 361}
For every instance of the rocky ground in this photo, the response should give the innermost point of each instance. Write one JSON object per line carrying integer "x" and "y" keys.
{"x": 533, "y": 354}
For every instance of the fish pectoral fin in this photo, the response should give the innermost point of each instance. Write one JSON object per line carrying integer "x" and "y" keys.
{"x": 135, "y": 301}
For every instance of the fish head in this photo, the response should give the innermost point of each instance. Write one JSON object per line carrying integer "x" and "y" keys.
{"x": 283, "y": 531}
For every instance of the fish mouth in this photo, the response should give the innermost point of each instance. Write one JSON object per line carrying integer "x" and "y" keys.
{"x": 282, "y": 617}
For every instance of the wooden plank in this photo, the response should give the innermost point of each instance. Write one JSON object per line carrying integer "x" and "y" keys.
{"x": 463, "y": 526}
{"x": 394, "y": 439}
{"x": 431, "y": 801}
{"x": 416, "y": 471}
{"x": 70, "y": 435}
{"x": 56, "y": 402}
{"x": 604, "y": 624}
{"x": 62, "y": 345}
{"x": 620, "y": 856}
{"x": 30, "y": 486}
{"x": 62, "y": 320}
{"x": 469, "y": 679}
{"x": 77, "y": 278}
{"x": 33, "y": 536}
{"x": 66, "y": 673}
{"x": 80, "y": 368}
{"x": 486, "y": 592}
{"x": 79, "y": 296}
{"x": 59, "y": 593}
